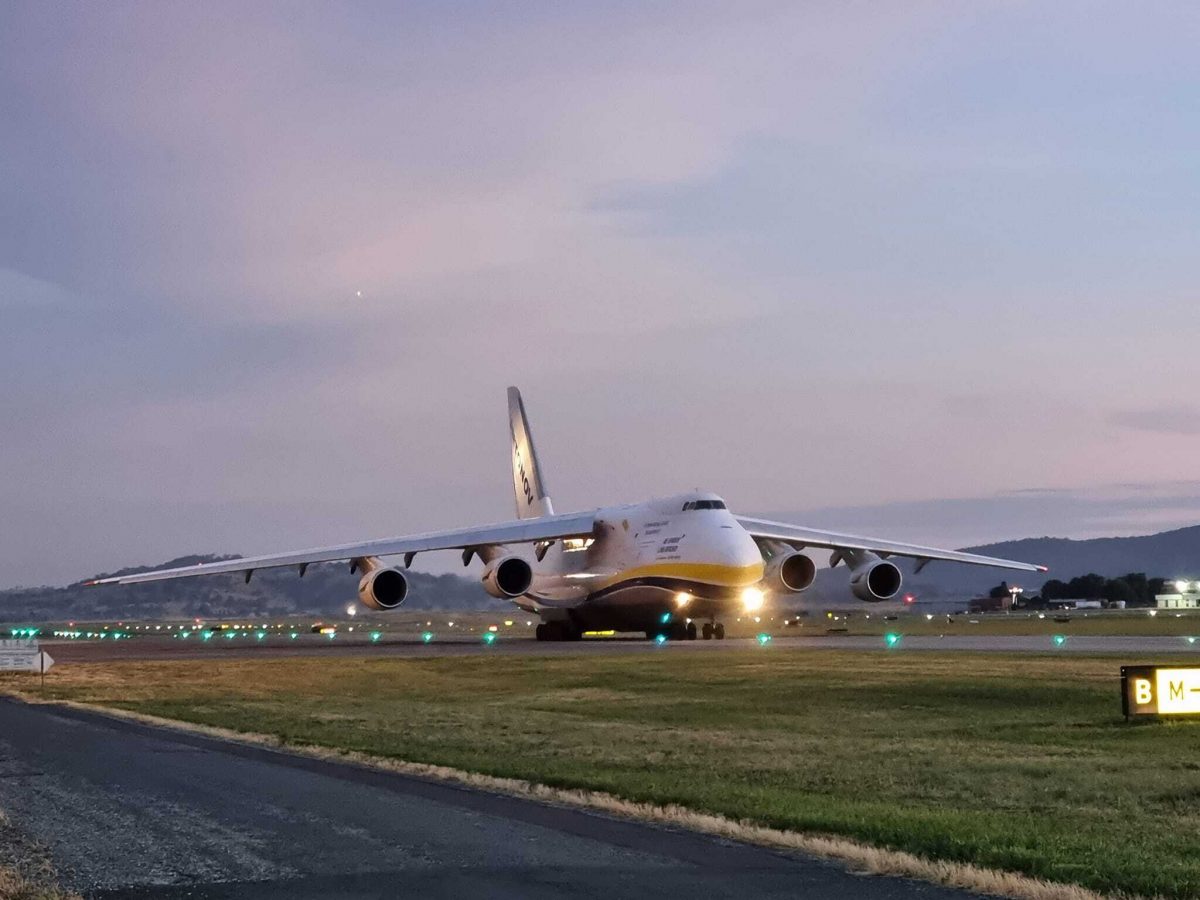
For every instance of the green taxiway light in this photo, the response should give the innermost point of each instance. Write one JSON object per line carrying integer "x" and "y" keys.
{"x": 489, "y": 638}
{"x": 293, "y": 635}
{"x": 892, "y": 639}
{"x": 427, "y": 636}
{"x": 764, "y": 639}
{"x": 1059, "y": 640}
{"x": 375, "y": 635}
{"x": 260, "y": 635}
{"x": 332, "y": 635}
{"x": 660, "y": 639}
{"x": 666, "y": 617}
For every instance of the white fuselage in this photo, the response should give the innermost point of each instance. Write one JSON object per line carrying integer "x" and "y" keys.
{"x": 682, "y": 554}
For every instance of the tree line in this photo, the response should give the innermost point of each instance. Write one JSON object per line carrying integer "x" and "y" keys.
{"x": 1134, "y": 589}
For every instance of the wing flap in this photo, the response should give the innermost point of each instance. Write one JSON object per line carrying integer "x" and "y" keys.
{"x": 811, "y": 537}
{"x": 523, "y": 531}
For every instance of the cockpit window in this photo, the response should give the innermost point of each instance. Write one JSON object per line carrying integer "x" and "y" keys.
{"x": 703, "y": 504}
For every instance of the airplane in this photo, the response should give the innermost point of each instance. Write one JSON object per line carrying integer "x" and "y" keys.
{"x": 658, "y": 567}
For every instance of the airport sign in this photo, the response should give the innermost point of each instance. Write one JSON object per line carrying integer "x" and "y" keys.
{"x": 23, "y": 656}
{"x": 1160, "y": 690}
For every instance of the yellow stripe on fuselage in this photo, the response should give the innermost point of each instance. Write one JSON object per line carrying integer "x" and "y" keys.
{"x": 706, "y": 573}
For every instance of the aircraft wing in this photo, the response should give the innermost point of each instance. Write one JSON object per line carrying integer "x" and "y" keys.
{"x": 810, "y": 537}
{"x": 522, "y": 531}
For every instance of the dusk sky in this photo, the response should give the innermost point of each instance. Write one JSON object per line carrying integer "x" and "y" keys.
{"x": 930, "y": 271}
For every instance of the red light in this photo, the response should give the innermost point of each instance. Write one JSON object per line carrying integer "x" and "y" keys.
{"x": 909, "y": 598}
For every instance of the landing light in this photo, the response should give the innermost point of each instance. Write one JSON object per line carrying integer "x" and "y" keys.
{"x": 752, "y": 599}
{"x": 352, "y": 610}
{"x": 682, "y": 599}
{"x": 1181, "y": 586}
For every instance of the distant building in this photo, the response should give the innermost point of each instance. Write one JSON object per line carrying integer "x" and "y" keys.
{"x": 1177, "y": 601}
{"x": 990, "y": 604}
{"x": 1186, "y": 596}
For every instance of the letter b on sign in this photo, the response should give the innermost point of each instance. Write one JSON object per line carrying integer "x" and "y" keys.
{"x": 1142, "y": 691}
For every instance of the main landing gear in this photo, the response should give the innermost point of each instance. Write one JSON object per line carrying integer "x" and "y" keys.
{"x": 687, "y": 632}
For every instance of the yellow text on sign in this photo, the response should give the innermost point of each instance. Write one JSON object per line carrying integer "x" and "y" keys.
{"x": 1143, "y": 691}
{"x": 1178, "y": 691}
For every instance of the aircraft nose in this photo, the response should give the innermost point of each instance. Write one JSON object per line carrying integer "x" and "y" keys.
{"x": 742, "y": 554}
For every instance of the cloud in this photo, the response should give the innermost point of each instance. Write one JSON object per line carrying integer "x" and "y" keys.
{"x": 1170, "y": 420}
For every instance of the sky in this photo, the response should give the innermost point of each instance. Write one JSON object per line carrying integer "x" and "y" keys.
{"x": 925, "y": 270}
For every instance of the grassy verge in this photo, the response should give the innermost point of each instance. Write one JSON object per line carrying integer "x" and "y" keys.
{"x": 1013, "y": 762}
{"x": 25, "y": 871}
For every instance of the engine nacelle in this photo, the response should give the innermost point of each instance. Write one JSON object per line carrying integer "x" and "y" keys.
{"x": 877, "y": 580}
{"x": 383, "y": 589}
{"x": 507, "y": 577}
{"x": 790, "y": 572}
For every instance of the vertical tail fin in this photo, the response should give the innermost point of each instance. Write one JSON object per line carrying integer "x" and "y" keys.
{"x": 532, "y": 500}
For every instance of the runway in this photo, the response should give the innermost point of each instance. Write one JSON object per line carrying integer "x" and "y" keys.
{"x": 155, "y": 648}
{"x": 132, "y": 811}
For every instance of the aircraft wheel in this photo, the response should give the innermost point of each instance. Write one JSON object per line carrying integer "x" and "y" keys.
{"x": 691, "y": 631}
{"x": 719, "y": 632}
{"x": 707, "y": 631}
{"x": 540, "y": 632}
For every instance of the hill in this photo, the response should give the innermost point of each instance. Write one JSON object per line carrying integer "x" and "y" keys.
{"x": 326, "y": 589}
{"x": 1168, "y": 554}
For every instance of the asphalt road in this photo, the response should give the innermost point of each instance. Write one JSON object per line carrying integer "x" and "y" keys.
{"x": 149, "y": 648}
{"x": 129, "y": 810}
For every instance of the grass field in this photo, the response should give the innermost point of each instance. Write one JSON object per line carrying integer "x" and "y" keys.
{"x": 1014, "y": 762}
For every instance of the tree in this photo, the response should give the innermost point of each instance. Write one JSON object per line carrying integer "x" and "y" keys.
{"x": 1000, "y": 590}
{"x": 1119, "y": 590}
{"x": 1054, "y": 590}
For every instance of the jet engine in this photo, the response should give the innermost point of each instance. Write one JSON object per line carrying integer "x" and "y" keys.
{"x": 875, "y": 579}
{"x": 507, "y": 577}
{"x": 383, "y": 588}
{"x": 790, "y": 572}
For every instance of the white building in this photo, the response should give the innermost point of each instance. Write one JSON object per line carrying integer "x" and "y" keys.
{"x": 1186, "y": 596}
